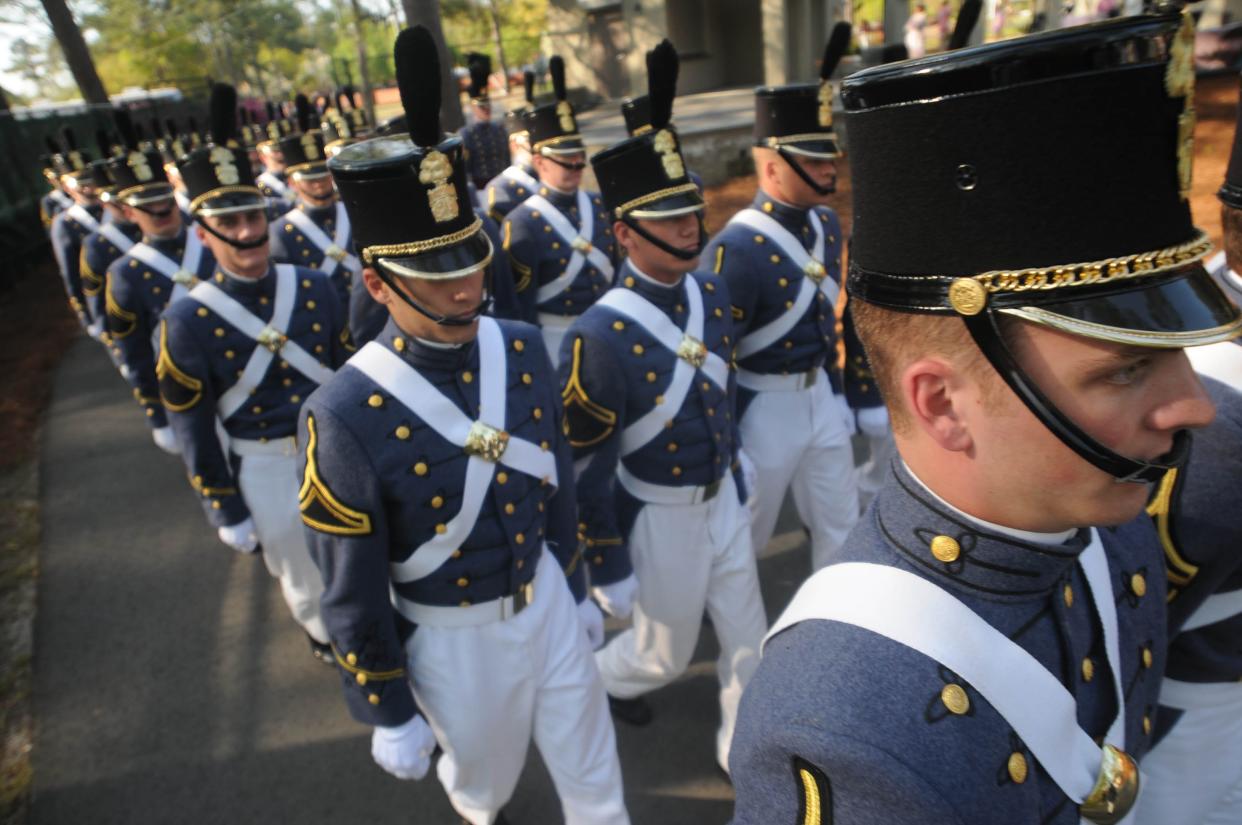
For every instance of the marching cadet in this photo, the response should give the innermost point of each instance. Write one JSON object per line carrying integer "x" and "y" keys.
{"x": 1193, "y": 775}
{"x": 649, "y": 399}
{"x": 1005, "y": 588}
{"x": 435, "y": 470}
{"x": 82, "y": 180}
{"x": 116, "y": 233}
{"x": 486, "y": 142}
{"x": 168, "y": 261}
{"x": 519, "y": 180}
{"x": 174, "y": 148}
{"x": 316, "y": 232}
{"x": 273, "y": 180}
{"x": 246, "y": 347}
{"x": 56, "y": 200}
{"x": 559, "y": 240}
{"x": 782, "y": 259}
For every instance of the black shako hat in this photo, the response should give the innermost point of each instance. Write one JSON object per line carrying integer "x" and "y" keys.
{"x": 76, "y": 162}
{"x": 218, "y": 177}
{"x": 552, "y": 126}
{"x": 797, "y": 119}
{"x": 137, "y": 173}
{"x": 406, "y": 193}
{"x": 645, "y": 176}
{"x": 1044, "y": 178}
{"x": 303, "y": 149}
{"x": 514, "y": 124}
{"x": 1231, "y": 191}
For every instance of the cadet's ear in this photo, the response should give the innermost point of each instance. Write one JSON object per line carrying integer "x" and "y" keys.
{"x": 935, "y": 393}
{"x": 202, "y": 233}
{"x": 622, "y": 232}
{"x": 377, "y": 289}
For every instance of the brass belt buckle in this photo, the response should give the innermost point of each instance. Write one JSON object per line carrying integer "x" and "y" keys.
{"x": 815, "y": 270}
{"x": 581, "y": 244}
{"x": 810, "y": 377}
{"x": 183, "y": 277}
{"x": 710, "y": 490}
{"x": 522, "y": 599}
{"x": 336, "y": 253}
{"x": 273, "y": 339}
{"x": 486, "y": 442}
{"x": 692, "y": 351}
{"x": 1115, "y": 790}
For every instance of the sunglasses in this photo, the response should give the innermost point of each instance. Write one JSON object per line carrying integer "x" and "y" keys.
{"x": 573, "y": 166}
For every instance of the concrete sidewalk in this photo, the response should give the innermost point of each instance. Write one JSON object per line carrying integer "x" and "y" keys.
{"x": 171, "y": 686}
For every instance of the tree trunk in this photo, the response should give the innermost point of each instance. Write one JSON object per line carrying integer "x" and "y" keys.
{"x": 368, "y": 98}
{"x": 494, "y": 13}
{"x": 69, "y": 36}
{"x": 427, "y": 13}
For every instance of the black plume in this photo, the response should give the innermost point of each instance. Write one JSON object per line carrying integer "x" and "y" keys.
{"x": 894, "y": 52}
{"x": 556, "y": 68}
{"x": 68, "y": 138}
{"x": 223, "y": 114}
{"x": 139, "y": 132}
{"x": 105, "y": 142}
{"x": 125, "y": 125}
{"x": 967, "y": 17}
{"x": 271, "y": 110}
{"x": 302, "y": 105}
{"x": 662, "y": 65}
{"x": 171, "y": 126}
{"x": 51, "y": 144}
{"x": 528, "y": 77}
{"x": 480, "y": 66}
{"x": 838, "y": 44}
{"x": 418, "y": 78}
{"x": 193, "y": 124}
{"x": 156, "y": 130}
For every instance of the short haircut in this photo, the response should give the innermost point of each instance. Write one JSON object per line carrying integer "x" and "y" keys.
{"x": 1231, "y": 224}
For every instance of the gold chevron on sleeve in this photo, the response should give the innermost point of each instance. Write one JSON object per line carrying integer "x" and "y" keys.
{"x": 321, "y": 509}
{"x": 814, "y": 794}
{"x": 587, "y": 423}
{"x": 121, "y": 321}
{"x": 719, "y": 265}
{"x": 91, "y": 283}
{"x": 178, "y": 391}
{"x": 1179, "y": 571}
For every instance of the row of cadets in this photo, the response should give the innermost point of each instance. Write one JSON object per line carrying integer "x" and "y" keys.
{"x": 1193, "y": 775}
{"x": 246, "y": 347}
{"x": 168, "y": 260}
{"x": 82, "y": 180}
{"x": 781, "y": 257}
{"x": 559, "y": 240}
{"x": 1006, "y": 590}
{"x": 435, "y": 469}
{"x": 116, "y": 233}
{"x": 273, "y": 180}
{"x": 56, "y": 200}
{"x": 486, "y": 141}
{"x": 649, "y": 399}
{"x": 519, "y": 180}
{"x": 316, "y": 232}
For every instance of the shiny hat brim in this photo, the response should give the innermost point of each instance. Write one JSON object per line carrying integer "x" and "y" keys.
{"x": 824, "y": 148}
{"x": 1230, "y": 195}
{"x": 308, "y": 171}
{"x": 227, "y": 203}
{"x": 150, "y": 193}
{"x": 572, "y": 146}
{"x": 1187, "y": 309}
{"x": 445, "y": 263}
{"x": 673, "y": 206}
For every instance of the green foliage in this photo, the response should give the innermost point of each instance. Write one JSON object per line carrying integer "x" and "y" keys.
{"x": 468, "y": 28}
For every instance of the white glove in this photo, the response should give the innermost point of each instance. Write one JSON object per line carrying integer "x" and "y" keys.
{"x": 125, "y": 371}
{"x": 241, "y": 536}
{"x": 404, "y": 751}
{"x": 592, "y": 622}
{"x": 617, "y": 598}
{"x": 750, "y": 476}
{"x": 873, "y": 421}
{"x": 166, "y": 439}
{"x": 95, "y": 329}
{"x": 847, "y": 415}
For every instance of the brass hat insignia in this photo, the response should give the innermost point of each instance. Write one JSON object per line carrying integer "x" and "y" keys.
{"x": 666, "y": 147}
{"x": 825, "y": 104}
{"x": 138, "y": 163}
{"x": 225, "y": 166}
{"x": 566, "y": 113}
{"x": 435, "y": 171}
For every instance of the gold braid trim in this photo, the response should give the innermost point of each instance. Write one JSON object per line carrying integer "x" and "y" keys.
{"x": 575, "y": 394}
{"x": 165, "y": 366}
{"x": 1179, "y": 571}
{"x": 345, "y": 520}
{"x": 368, "y": 675}
{"x": 652, "y": 197}
{"x": 91, "y": 283}
{"x": 128, "y": 320}
{"x": 781, "y": 140}
{"x": 556, "y": 141}
{"x": 226, "y": 190}
{"x": 402, "y": 250}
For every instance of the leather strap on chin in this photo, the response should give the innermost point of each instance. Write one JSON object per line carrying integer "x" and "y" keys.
{"x": 255, "y": 244}
{"x": 984, "y": 330}
{"x": 435, "y": 317}
{"x": 792, "y": 160}
{"x": 682, "y": 254}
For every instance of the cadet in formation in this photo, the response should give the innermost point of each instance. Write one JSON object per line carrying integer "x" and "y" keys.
{"x": 273, "y": 181}
{"x": 168, "y": 260}
{"x": 649, "y": 399}
{"x": 116, "y": 232}
{"x": 519, "y": 180}
{"x": 246, "y": 348}
{"x": 1005, "y": 589}
{"x": 559, "y": 240}
{"x": 781, "y": 257}
{"x": 315, "y": 233}
{"x": 437, "y": 494}
{"x": 56, "y": 200}
{"x": 486, "y": 141}
{"x": 82, "y": 180}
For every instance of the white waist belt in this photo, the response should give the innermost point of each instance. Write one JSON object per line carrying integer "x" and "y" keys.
{"x": 287, "y": 446}
{"x": 1200, "y": 695}
{"x": 473, "y": 615}
{"x": 763, "y": 382}
{"x": 662, "y": 494}
{"x": 552, "y": 321}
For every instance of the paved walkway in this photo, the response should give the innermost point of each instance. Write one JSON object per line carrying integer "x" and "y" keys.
{"x": 172, "y": 687}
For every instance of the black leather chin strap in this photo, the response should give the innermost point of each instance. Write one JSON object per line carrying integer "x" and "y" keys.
{"x": 682, "y": 254}
{"x": 441, "y": 320}
{"x": 792, "y": 160}
{"x": 986, "y": 333}
{"x": 255, "y": 244}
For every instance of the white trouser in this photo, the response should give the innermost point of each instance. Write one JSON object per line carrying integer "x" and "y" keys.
{"x": 486, "y": 690}
{"x": 1194, "y": 775}
{"x": 268, "y": 481}
{"x": 554, "y": 328}
{"x": 688, "y": 557}
{"x": 873, "y": 471}
{"x": 798, "y": 442}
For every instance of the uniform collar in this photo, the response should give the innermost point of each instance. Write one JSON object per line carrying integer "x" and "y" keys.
{"x": 245, "y": 287}
{"x": 793, "y": 218}
{"x": 318, "y": 214}
{"x": 427, "y": 357}
{"x": 661, "y": 294}
{"x": 163, "y": 244}
{"x": 558, "y": 198}
{"x": 972, "y": 554}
